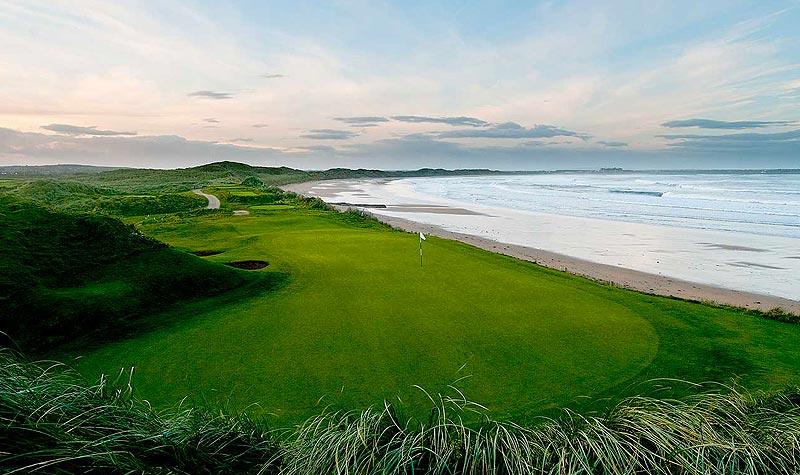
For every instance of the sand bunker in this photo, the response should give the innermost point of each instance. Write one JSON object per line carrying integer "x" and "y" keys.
{"x": 248, "y": 265}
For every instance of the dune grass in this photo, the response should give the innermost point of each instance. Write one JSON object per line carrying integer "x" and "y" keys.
{"x": 53, "y": 422}
{"x": 78, "y": 197}
{"x": 358, "y": 322}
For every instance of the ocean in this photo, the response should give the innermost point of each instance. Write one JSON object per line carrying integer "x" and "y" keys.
{"x": 763, "y": 204}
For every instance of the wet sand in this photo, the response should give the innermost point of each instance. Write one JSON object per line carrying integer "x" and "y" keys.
{"x": 619, "y": 276}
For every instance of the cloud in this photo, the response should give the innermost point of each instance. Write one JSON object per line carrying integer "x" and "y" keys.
{"x": 455, "y": 121}
{"x": 216, "y": 95}
{"x": 139, "y": 151}
{"x": 791, "y": 135}
{"x": 408, "y": 152}
{"x": 211, "y": 120}
{"x": 722, "y": 124}
{"x": 67, "y": 129}
{"x": 362, "y": 121}
{"x": 260, "y": 126}
{"x": 544, "y": 143}
{"x": 608, "y": 143}
{"x": 329, "y": 134}
{"x": 247, "y": 139}
{"x": 751, "y": 143}
{"x": 325, "y": 149}
{"x": 511, "y": 130}
{"x": 272, "y": 76}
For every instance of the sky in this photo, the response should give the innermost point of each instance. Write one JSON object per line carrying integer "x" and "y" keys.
{"x": 401, "y": 85}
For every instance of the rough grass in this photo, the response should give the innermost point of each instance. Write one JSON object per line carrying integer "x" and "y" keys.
{"x": 78, "y": 197}
{"x": 51, "y": 421}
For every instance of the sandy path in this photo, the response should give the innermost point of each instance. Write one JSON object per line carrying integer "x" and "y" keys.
{"x": 627, "y": 278}
{"x": 213, "y": 201}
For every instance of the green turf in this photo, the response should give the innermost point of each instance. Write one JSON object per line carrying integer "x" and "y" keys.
{"x": 359, "y": 321}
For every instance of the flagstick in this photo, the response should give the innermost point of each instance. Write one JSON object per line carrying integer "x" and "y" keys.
{"x": 421, "y": 238}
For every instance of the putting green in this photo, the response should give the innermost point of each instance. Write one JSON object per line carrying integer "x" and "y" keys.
{"x": 359, "y": 321}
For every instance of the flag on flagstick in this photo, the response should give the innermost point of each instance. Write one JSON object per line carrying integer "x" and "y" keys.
{"x": 421, "y": 238}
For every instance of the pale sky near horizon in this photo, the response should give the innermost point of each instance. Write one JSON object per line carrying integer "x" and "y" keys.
{"x": 507, "y": 85}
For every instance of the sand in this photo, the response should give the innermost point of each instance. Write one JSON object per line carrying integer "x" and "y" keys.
{"x": 627, "y": 278}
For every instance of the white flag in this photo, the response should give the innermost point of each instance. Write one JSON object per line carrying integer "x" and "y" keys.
{"x": 421, "y": 237}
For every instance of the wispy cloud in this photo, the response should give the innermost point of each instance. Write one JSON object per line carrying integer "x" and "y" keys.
{"x": 272, "y": 76}
{"x": 723, "y": 124}
{"x": 610, "y": 143}
{"x": 144, "y": 150}
{"x": 241, "y": 140}
{"x": 743, "y": 137}
{"x": 329, "y": 134}
{"x": 260, "y": 126}
{"x": 211, "y": 120}
{"x": 216, "y": 95}
{"x": 67, "y": 129}
{"x": 455, "y": 121}
{"x": 362, "y": 121}
{"x": 742, "y": 144}
{"x": 511, "y": 130}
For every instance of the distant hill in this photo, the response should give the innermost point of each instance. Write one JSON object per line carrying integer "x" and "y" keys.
{"x": 149, "y": 181}
{"x": 39, "y": 170}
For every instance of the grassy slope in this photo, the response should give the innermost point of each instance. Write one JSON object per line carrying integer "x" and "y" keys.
{"x": 76, "y": 197}
{"x": 77, "y": 277}
{"x": 359, "y": 321}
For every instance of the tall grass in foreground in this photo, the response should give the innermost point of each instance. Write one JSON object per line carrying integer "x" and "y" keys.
{"x": 52, "y": 422}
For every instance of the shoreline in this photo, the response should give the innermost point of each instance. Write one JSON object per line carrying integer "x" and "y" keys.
{"x": 648, "y": 283}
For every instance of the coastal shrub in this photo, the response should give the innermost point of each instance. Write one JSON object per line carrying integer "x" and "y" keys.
{"x": 52, "y": 421}
{"x": 361, "y": 218}
{"x": 313, "y": 203}
{"x": 125, "y": 205}
{"x": 782, "y": 315}
{"x": 253, "y": 182}
{"x": 253, "y": 195}
{"x": 75, "y": 197}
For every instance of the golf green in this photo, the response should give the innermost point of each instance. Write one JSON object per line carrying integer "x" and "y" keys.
{"x": 359, "y": 321}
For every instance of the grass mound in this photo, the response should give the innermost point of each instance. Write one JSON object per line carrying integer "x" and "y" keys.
{"x": 79, "y": 197}
{"x": 68, "y": 276}
{"x": 51, "y": 420}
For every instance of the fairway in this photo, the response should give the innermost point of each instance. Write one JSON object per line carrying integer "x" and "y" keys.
{"x": 359, "y": 321}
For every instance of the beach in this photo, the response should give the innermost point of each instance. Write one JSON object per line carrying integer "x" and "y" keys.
{"x": 623, "y": 261}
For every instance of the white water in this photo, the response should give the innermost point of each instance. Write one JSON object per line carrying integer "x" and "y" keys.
{"x": 735, "y": 231}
